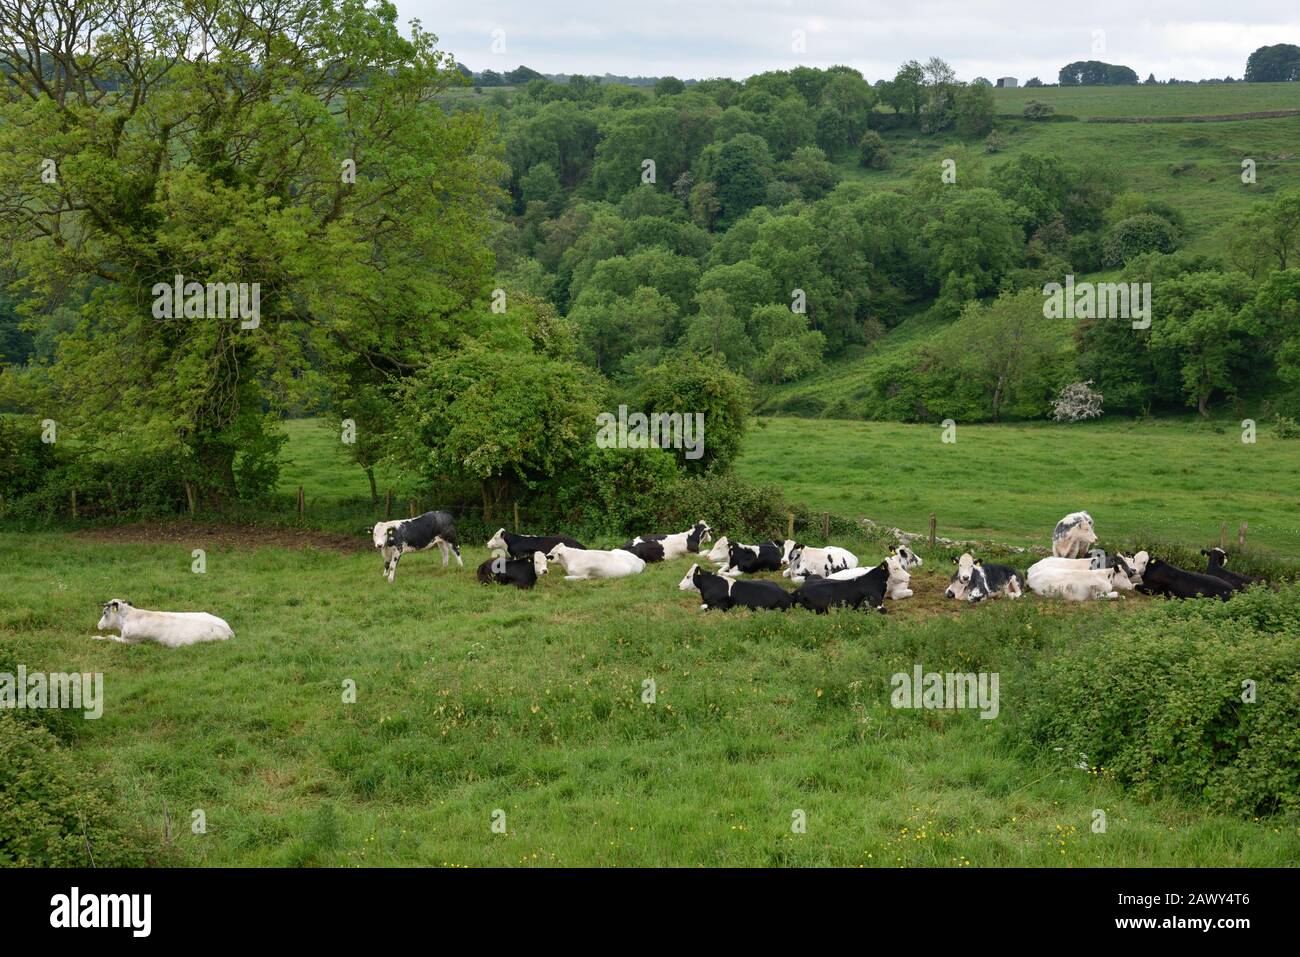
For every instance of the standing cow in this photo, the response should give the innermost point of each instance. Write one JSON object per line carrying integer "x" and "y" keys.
{"x": 416, "y": 534}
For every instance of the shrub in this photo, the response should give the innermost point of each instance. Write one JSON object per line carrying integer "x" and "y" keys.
{"x": 1038, "y": 110}
{"x": 1131, "y": 237}
{"x": 741, "y": 510}
{"x": 1285, "y": 427}
{"x": 24, "y": 458}
{"x": 54, "y": 813}
{"x": 1076, "y": 402}
{"x": 1156, "y": 703}
{"x": 872, "y": 151}
{"x": 136, "y": 486}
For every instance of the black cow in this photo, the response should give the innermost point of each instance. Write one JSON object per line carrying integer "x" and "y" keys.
{"x": 416, "y": 534}
{"x": 821, "y": 594}
{"x": 1161, "y": 578}
{"x": 648, "y": 549}
{"x": 520, "y": 572}
{"x": 1214, "y": 568}
{"x": 754, "y": 558}
{"x": 523, "y": 546}
{"x": 722, "y": 593}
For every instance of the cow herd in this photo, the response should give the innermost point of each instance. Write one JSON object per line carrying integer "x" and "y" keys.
{"x": 825, "y": 578}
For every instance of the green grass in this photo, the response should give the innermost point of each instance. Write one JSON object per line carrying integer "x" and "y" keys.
{"x": 1183, "y": 100}
{"x": 471, "y": 700}
{"x": 1172, "y": 481}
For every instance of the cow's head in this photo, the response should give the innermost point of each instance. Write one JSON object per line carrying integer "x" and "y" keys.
{"x": 113, "y": 612}
{"x": 909, "y": 557}
{"x": 379, "y": 533}
{"x": 721, "y": 550}
{"x": 1139, "y": 564}
{"x": 965, "y": 563}
{"x": 688, "y": 582}
{"x": 539, "y": 564}
{"x": 790, "y": 551}
{"x": 699, "y": 534}
{"x": 557, "y": 553}
{"x": 896, "y": 565}
{"x": 1218, "y": 557}
{"x": 498, "y": 540}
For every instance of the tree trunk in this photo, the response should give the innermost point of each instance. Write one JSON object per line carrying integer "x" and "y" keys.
{"x": 997, "y": 396}
{"x": 1203, "y": 404}
{"x": 374, "y": 492}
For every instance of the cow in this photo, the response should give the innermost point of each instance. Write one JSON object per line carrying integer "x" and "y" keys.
{"x": 1126, "y": 570}
{"x": 802, "y": 560}
{"x": 648, "y": 550}
{"x": 1217, "y": 558}
{"x": 581, "y": 564}
{"x": 523, "y": 546}
{"x": 1073, "y": 535}
{"x": 432, "y": 529}
{"x": 720, "y": 553}
{"x": 1073, "y": 583}
{"x": 976, "y": 579}
{"x": 748, "y": 559}
{"x": 909, "y": 557}
{"x": 723, "y": 593}
{"x": 1162, "y": 578}
{"x": 520, "y": 572}
{"x": 681, "y": 544}
{"x": 897, "y": 587}
{"x": 819, "y": 594}
{"x": 171, "y": 629}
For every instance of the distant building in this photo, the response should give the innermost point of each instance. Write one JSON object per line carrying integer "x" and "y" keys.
{"x": 1008, "y": 81}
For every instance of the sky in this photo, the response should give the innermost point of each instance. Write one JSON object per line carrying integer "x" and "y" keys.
{"x": 1188, "y": 39}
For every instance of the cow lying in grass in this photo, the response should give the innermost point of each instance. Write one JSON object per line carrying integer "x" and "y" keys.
{"x": 1075, "y": 582}
{"x": 581, "y": 564}
{"x": 823, "y": 562}
{"x": 1125, "y": 575}
{"x": 520, "y": 572}
{"x": 171, "y": 629}
{"x": 1161, "y": 578}
{"x": 1214, "y": 567}
{"x": 898, "y": 585}
{"x": 976, "y": 579}
{"x": 749, "y": 559}
{"x": 821, "y": 594}
{"x": 717, "y": 591}
{"x": 523, "y": 546}
{"x": 681, "y": 544}
{"x": 645, "y": 549}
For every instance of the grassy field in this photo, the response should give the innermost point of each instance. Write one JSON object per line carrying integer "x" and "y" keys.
{"x": 1209, "y": 99}
{"x": 473, "y": 700}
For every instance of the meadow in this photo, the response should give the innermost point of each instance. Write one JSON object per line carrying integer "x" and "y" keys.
{"x": 472, "y": 701}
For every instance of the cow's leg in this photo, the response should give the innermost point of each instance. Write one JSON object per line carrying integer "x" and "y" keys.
{"x": 446, "y": 551}
{"x": 392, "y": 568}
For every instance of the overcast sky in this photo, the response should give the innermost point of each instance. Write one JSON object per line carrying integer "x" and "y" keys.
{"x": 1188, "y": 39}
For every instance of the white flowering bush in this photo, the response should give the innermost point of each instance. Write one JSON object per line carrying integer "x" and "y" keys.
{"x": 1076, "y": 402}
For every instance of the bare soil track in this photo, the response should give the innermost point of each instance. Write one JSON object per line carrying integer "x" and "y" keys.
{"x": 214, "y": 535}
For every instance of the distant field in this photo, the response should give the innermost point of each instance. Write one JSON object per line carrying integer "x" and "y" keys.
{"x": 1140, "y": 100}
{"x": 1172, "y": 481}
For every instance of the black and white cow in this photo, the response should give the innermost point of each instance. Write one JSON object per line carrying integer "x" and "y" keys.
{"x": 910, "y": 558}
{"x": 520, "y": 572}
{"x": 748, "y": 559}
{"x": 1217, "y": 558}
{"x": 804, "y": 560}
{"x": 681, "y": 544}
{"x": 416, "y": 534}
{"x": 718, "y": 591}
{"x": 523, "y": 546}
{"x": 821, "y": 594}
{"x": 646, "y": 549}
{"x": 976, "y": 579}
{"x": 1073, "y": 535}
{"x": 1161, "y": 578}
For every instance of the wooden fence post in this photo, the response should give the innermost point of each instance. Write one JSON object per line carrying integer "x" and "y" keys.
{"x": 932, "y": 529}
{"x": 302, "y": 503}
{"x": 826, "y": 526}
{"x": 1223, "y": 535}
{"x": 516, "y": 518}
{"x": 412, "y": 508}
{"x": 388, "y": 506}
{"x": 1241, "y": 536}
{"x": 189, "y": 496}
{"x": 74, "y": 503}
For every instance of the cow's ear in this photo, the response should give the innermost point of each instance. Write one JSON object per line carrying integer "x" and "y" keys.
{"x": 1204, "y": 551}
{"x": 954, "y": 561}
{"x": 979, "y": 561}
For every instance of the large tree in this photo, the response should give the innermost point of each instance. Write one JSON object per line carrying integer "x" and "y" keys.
{"x": 296, "y": 145}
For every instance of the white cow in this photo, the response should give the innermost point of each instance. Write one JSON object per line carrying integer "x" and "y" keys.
{"x": 579, "y": 564}
{"x": 1073, "y": 584}
{"x": 171, "y": 629}
{"x": 1127, "y": 571}
{"x": 1073, "y": 535}
{"x": 802, "y": 560}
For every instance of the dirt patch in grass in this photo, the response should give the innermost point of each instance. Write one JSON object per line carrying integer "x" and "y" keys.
{"x": 211, "y": 535}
